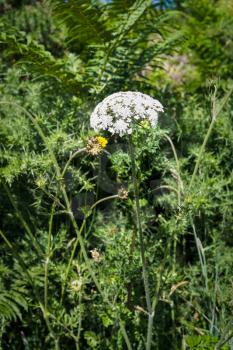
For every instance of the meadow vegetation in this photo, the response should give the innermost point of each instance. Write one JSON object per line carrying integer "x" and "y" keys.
{"x": 86, "y": 223}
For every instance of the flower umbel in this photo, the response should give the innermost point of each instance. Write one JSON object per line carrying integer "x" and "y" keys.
{"x": 119, "y": 112}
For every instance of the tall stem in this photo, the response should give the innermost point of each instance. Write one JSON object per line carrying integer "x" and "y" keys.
{"x": 23, "y": 222}
{"x": 142, "y": 248}
{"x": 47, "y": 258}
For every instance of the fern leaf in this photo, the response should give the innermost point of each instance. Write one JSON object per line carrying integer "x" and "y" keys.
{"x": 42, "y": 63}
{"x": 10, "y": 304}
{"x": 84, "y": 20}
{"x": 132, "y": 16}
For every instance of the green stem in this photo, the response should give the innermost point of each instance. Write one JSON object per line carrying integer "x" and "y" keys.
{"x": 47, "y": 258}
{"x": 179, "y": 180}
{"x": 79, "y": 324}
{"x": 199, "y": 158}
{"x": 57, "y": 346}
{"x": 70, "y": 261}
{"x": 201, "y": 255}
{"x": 223, "y": 341}
{"x": 77, "y": 241}
{"x": 23, "y": 222}
{"x": 150, "y": 330}
{"x": 139, "y": 225}
{"x": 142, "y": 248}
{"x": 75, "y": 154}
{"x": 157, "y": 293}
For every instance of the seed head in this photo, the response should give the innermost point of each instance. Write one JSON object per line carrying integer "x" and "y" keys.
{"x": 96, "y": 144}
{"x": 95, "y": 255}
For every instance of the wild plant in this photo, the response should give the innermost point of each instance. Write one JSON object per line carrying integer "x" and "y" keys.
{"x": 118, "y": 237}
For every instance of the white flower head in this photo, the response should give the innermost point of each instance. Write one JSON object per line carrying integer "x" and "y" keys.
{"x": 118, "y": 112}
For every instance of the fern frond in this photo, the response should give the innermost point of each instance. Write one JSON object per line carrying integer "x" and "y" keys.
{"x": 119, "y": 6}
{"x": 11, "y": 303}
{"x": 42, "y": 62}
{"x": 130, "y": 18}
{"x": 144, "y": 44}
{"x": 84, "y": 21}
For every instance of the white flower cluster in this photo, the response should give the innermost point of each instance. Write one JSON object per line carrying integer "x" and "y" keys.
{"x": 117, "y": 112}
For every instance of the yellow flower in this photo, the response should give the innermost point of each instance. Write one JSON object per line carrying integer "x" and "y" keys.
{"x": 145, "y": 124}
{"x": 96, "y": 144}
{"x": 103, "y": 141}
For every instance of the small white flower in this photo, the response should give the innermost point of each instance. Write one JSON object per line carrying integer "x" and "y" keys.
{"x": 117, "y": 112}
{"x": 121, "y": 127}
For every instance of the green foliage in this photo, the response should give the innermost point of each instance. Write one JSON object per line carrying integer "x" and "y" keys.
{"x": 202, "y": 343}
{"x": 11, "y": 300}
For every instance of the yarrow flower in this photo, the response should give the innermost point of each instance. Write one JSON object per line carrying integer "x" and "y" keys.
{"x": 118, "y": 112}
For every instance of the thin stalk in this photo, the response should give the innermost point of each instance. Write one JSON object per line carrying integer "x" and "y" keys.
{"x": 179, "y": 180}
{"x": 179, "y": 191}
{"x": 198, "y": 310}
{"x": 23, "y": 222}
{"x": 125, "y": 335}
{"x": 70, "y": 261}
{"x": 77, "y": 241}
{"x": 88, "y": 263}
{"x": 51, "y": 196}
{"x": 223, "y": 342}
{"x": 103, "y": 200}
{"x": 157, "y": 292}
{"x": 201, "y": 255}
{"x": 174, "y": 254}
{"x": 215, "y": 114}
{"x": 171, "y": 188}
{"x": 75, "y": 154}
{"x": 139, "y": 225}
{"x": 149, "y": 330}
{"x": 225, "y": 338}
{"x": 142, "y": 248}
{"x": 80, "y": 323}
{"x": 57, "y": 346}
{"x": 214, "y": 301}
{"x": 70, "y": 332}
{"x": 173, "y": 317}
{"x": 47, "y": 258}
